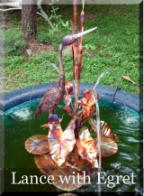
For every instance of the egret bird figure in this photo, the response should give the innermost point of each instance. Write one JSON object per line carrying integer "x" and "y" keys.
{"x": 55, "y": 94}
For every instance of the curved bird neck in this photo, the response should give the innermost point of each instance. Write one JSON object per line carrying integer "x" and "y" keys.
{"x": 62, "y": 73}
{"x": 60, "y": 60}
{"x": 62, "y": 82}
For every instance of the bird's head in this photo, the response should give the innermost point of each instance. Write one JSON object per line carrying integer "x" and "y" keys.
{"x": 70, "y": 39}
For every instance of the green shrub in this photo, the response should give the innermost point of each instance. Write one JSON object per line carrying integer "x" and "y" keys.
{"x": 44, "y": 38}
{"x": 61, "y": 28}
{"x": 14, "y": 42}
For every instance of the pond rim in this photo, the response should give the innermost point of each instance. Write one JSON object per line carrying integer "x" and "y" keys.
{"x": 16, "y": 97}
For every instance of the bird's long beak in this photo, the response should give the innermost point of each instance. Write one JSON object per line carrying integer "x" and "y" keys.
{"x": 70, "y": 39}
{"x": 78, "y": 35}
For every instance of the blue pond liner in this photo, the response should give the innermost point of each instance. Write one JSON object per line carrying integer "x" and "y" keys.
{"x": 17, "y": 97}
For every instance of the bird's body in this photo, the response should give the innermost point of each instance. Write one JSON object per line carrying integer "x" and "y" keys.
{"x": 51, "y": 98}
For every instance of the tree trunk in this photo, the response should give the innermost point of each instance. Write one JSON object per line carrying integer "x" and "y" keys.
{"x": 29, "y": 19}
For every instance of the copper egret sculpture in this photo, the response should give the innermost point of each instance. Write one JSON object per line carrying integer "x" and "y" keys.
{"x": 54, "y": 95}
{"x": 72, "y": 150}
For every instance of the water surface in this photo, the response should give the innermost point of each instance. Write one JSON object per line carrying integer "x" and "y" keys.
{"x": 20, "y": 125}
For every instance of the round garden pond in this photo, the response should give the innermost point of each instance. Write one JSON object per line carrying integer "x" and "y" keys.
{"x": 118, "y": 108}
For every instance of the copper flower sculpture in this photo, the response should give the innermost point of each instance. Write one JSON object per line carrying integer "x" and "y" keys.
{"x": 73, "y": 150}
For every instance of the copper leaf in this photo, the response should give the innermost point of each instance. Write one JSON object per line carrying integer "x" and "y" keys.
{"x": 105, "y": 129}
{"x": 61, "y": 143}
{"x": 87, "y": 147}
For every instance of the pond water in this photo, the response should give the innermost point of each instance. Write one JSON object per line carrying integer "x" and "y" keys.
{"x": 20, "y": 124}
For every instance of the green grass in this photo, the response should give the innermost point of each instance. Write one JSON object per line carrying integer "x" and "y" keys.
{"x": 114, "y": 46}
{"x": 14, "y": 42}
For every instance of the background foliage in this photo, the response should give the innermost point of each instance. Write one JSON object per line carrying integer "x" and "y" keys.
{"x": 114, "y": 46}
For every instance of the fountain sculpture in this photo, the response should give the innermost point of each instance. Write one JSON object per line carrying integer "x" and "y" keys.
{"x": 72, "y": 151}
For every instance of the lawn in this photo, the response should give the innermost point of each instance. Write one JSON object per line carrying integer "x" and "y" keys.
{"x": 114, "y": 46}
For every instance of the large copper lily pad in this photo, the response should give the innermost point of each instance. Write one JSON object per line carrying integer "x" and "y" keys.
{"x": 73, "y": 182}
{"x": 45, "y": 164}
{"x": 37, "y": 144}
{"x": 48, "y": 167}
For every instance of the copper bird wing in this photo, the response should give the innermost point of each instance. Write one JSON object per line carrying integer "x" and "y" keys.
{"x": 49, "y": 98}
{"x": 86, "y": 146}
{"x": 61, "y": 143}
